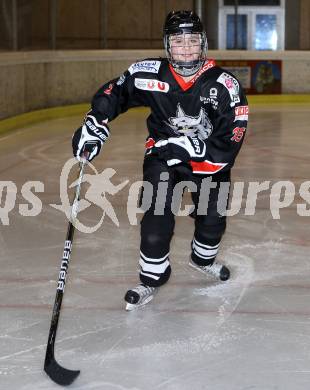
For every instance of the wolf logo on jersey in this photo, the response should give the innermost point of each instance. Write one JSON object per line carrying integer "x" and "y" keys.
{"x": 191, "y": 125}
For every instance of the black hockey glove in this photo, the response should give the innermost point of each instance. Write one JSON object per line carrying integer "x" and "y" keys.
{"x": 91, "y": 132}
{"x": 175, "y": 150}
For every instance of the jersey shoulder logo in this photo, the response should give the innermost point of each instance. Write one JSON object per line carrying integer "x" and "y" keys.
{"x": 151, "y": 85}
{"x": 232, "y": 86}
{"x": 145, "y": 66}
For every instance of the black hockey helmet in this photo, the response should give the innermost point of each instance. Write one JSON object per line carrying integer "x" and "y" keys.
{"x": 185, "y": 22}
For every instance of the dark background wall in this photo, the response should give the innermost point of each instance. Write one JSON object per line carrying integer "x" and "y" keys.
{"x": 121, "y": 24}
{"x": 292, "y": 24}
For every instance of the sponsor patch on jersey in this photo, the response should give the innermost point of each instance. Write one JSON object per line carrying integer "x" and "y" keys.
{"x": 145, "y": 66}
{"x": 232, "y": 86}
{"x": 241, "y": 113}
{"x": 212, "y": 99}
{"x": 213, "y": 93}
{"x": 121, "y": 80}
{"x": 208, "y": 100}
{"x": 151, "y": 85}
{"x": 238, "y": 134}
{"x": 208, "y": 65}
{"x": 186, "y": 25}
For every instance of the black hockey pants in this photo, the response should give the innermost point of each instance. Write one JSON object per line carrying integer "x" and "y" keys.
{"x": 158, "y": 222}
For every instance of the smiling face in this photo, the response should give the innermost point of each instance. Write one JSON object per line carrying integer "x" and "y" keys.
{"x": 185, "y": 42}
{"x": 185, "y": 47}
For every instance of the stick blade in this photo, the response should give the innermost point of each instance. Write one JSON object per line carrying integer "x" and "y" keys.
{"x": 60, "y": 375}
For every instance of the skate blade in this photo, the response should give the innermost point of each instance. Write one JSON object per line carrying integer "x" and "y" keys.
{"x": 196, "y": 267}
{"x": 207, "y": 274}
{"x": 131, "y": 306}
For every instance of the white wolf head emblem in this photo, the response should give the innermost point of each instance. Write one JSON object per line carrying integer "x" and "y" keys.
{"x": 191, "y": 125}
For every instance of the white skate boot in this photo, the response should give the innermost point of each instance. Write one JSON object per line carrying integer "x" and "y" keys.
{"x": 139, "y": 296}
{"x": 217, "y": 270}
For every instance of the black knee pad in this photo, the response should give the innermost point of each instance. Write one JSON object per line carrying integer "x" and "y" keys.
{"x": 209, "y": 229}
{"x": 156, "y": 234}
{"x": 155, "y": 245}
{"x": 164, "y": 277}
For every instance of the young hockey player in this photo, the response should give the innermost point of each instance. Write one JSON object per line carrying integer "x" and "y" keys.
{"x": 196, "y": 128}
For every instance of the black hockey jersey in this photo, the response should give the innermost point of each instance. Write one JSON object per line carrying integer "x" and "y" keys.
{"x": 212, "y": 103}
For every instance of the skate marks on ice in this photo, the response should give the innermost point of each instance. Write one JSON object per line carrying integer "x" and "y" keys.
{"x": 172, "y": 342}
{"x": 258, "y": 290}
{"x": 259, "y": 304}
{"x": 261, "y": 332}
{"x": 229, "y": 294}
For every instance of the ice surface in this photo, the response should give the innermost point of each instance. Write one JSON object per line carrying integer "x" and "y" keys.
{"x": 251, "y": 332}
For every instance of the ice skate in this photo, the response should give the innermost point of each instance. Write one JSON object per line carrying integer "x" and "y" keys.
{"x": 216, "y": 270}
{"x": 139, "y": 296}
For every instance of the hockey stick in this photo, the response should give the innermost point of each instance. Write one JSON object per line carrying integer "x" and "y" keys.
{"x": 57, "y": 373}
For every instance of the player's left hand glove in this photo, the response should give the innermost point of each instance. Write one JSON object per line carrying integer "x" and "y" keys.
{"x": 175, "y": 150}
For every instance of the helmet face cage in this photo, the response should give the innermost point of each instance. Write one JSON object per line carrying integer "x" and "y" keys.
{"x": 185, "y": 25}
{"x": 186, "y": 67}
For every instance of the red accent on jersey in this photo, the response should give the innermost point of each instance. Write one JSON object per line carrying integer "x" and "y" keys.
{"x": 151, "y": 84}
{"x": 161, "y": 86}
{"x": 207, "y": 65}
{"x": 229, "y": 83}
{"x": 241, "y": 110}
{"x": 185, "y": 85}
{"x": 206, "y": 167}
{"x": 238, "y": 134}
{"x": 109, "y": 89}
{"x": 149, "y": 143}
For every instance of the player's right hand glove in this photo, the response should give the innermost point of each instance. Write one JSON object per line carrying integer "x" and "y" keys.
{"x": 91, "y": 132}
